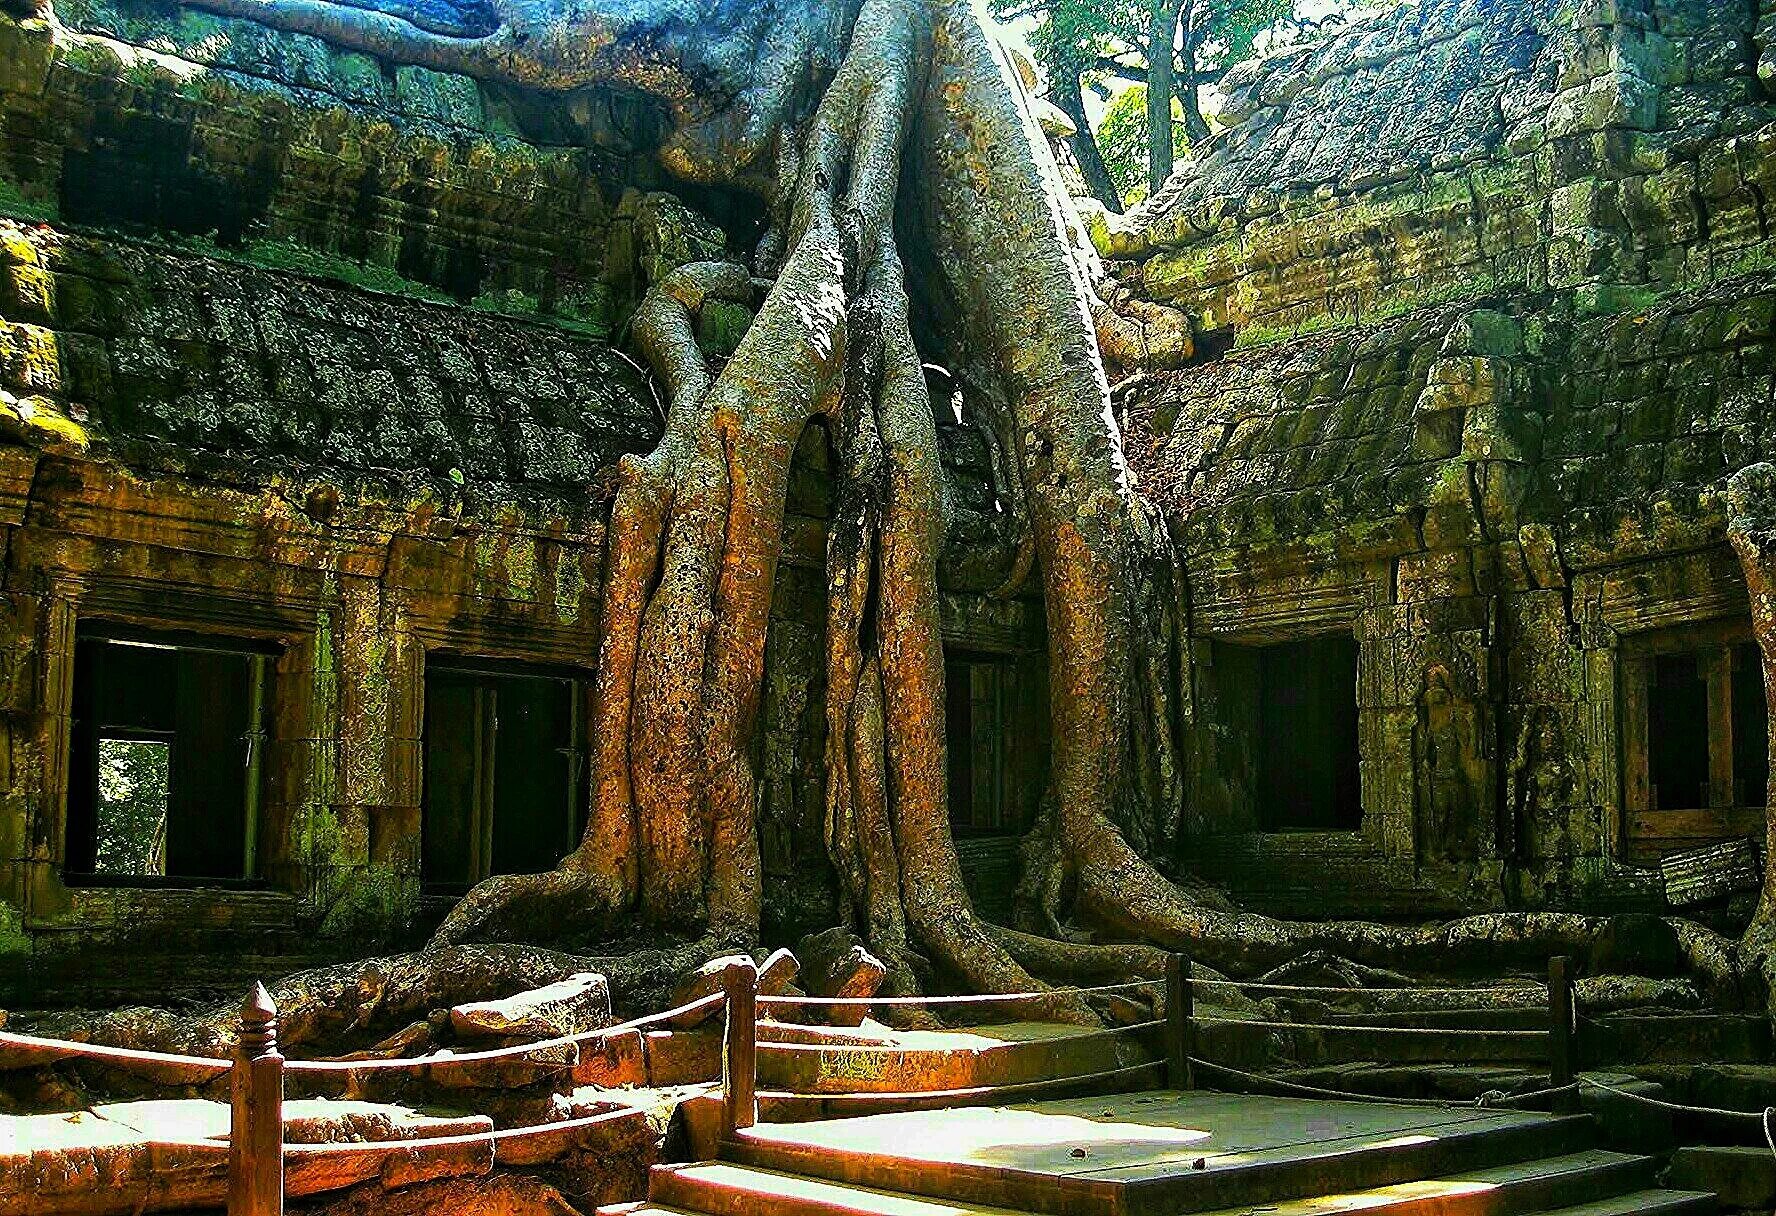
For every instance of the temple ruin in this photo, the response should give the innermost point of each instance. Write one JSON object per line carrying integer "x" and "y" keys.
{"x": 316, "y": 383}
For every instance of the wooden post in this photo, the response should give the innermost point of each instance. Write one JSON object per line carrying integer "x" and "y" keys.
{"x": 256, "y": 1122}
{"x": 740, "y": 1048}
{"x": 1180, "y": 1027}
{"x": 1562, "y": 1028}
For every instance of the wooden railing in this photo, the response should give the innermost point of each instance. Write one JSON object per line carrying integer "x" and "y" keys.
{"x": 257, "y": 1152}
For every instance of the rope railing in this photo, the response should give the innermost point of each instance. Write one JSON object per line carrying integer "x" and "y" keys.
{"x": 257, "y": 1151}
{"x": 519, "y": 1051}
{"x": 217, "y": 1065}
{"x": 1331, "y": 990}
{"x": 1491, "y": 1098}
{"x": 66, "y": 1049}
{"x": 1447, "y": 1032}
{"x": 1559, "y": 1034}
{"x": 988, "y": 998}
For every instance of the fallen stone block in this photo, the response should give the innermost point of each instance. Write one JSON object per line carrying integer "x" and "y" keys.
{"x": 576, "y": 1004}
{"x": 836, "y": 963}
{"x": 1743, "y": 1176}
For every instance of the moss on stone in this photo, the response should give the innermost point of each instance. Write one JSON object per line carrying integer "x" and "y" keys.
{"x": 375, "y": 906}
{"x": 15, "y": 205}
{"x": 300, "y": 259}
{"x": 14, "y": 940}
{"x": 1384, "y": 308}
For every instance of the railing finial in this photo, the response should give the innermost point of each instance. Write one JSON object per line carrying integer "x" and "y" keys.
{"x": 258, "y": 1011}
{"x": 256, "y": 1113}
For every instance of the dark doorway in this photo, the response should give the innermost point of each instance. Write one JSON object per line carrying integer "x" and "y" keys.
{"x": 504, "y": 771}
{"x": 168, "y": 744}
{"x": 996, "y": 735}
{"x": 1751, "y": 728}
{"x": 996, "y": 738}
{"x": 1307, "y": 736}
{"x": 1677, "y": 743}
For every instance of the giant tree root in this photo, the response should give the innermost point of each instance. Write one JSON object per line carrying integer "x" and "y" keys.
{"x": 1003, "y": 295}
{"x": 348, "y": 1007}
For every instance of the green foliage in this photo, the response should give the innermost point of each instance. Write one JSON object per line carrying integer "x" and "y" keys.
{"x": 1076, "y": 38}
{"x": 133, "y": 803}
{"x": 15, "y": 205}
{"x": 1122, "y": 138}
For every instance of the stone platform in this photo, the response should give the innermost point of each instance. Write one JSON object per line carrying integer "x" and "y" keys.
{"x": 1170, "y": 1152}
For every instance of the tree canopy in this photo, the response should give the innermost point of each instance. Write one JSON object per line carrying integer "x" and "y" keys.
{"x": 1106, "y": 46}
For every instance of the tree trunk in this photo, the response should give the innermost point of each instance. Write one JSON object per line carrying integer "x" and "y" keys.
{"x": 1196, "y": 127}
{"x": 1751, "y": 523}
{"x": 1004, "y": 289}
{"x": 1068, "y": 97}
{"x": 1162, "y": 36}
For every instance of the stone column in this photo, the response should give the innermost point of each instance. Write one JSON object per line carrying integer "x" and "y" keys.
{"x": 372, "y": 829}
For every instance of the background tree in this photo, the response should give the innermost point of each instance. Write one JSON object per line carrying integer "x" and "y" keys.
{"x": 1110, "y": 46}
{"x": 1070, "y": 40}
{"x": 1123, "y": 134}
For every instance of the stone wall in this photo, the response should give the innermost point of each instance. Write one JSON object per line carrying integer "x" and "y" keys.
{"x": 168, "y": 121}
{"x": 357, "y": 478}
{"x": 1481, "y": 302}
{"x": 312, "y": 352}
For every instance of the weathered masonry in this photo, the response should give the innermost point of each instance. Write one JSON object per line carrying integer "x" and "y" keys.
{"x": 309, "y": 419}
{"x": 313, "y": 397}
{"x": 1484, "y": 328}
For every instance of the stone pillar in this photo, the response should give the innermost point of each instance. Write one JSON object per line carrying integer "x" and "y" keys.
{"x": 22, "y": 797}
{"x": 370, "y": 832}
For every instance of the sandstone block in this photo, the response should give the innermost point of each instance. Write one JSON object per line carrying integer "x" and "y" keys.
{"x": 579, "y": 1003}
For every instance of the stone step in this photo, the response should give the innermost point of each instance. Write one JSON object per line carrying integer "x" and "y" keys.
{"x": 1351, "y": 1163}
{"x": 1505, "y": 1190}
{"x": 1743, "y": 1176}
{"x": 923, "y": 1061}
{"x": 776, "y": 1106}
{"x": 726, "y": 1189}
{"x": 1652, "y": 1202}
{"x": 723, "y": 1188}
{"x": 1660, "y": 1038}
{"x": 1243, "y": 1043}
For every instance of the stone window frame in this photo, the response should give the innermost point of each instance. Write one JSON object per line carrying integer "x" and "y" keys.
{"x": 1348, "y": 601}
{"x": 286, "y": 623}
{"x": 1620, "y": 610}
{"x": 1636, "y": 654}
{"x": 419, "y": 638}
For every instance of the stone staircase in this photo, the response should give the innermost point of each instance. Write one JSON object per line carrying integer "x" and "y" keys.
{"x": 936, "y": 1164}
{"x": 802, "y": 1069}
